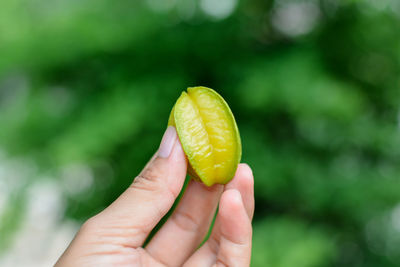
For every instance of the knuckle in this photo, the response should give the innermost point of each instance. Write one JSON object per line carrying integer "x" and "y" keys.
{"x": 221, "y": 263}
{"x": 152, "y": 173}
{"x": 152, "y": 179}
{"x": 148, "y": 180}
{"x": 185, "y": 221}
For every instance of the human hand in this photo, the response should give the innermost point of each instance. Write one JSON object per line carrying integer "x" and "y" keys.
{"x": 115, "y": 236}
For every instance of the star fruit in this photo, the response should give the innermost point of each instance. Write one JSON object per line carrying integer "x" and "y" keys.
{"x": 209, "y": 135}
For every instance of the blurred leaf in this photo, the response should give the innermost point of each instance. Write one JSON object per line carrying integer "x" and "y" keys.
{"x": 286, "y": 242}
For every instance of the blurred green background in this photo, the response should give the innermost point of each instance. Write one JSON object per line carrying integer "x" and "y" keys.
{"x": 86, "y": 87}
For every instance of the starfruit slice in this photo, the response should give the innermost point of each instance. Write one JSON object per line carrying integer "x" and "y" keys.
{"x": 208, "y": 134}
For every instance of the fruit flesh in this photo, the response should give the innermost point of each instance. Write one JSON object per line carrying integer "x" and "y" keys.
{"x": 209, "y": 135}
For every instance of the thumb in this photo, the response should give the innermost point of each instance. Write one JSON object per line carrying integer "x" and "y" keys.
{"x": 151, "y": 195}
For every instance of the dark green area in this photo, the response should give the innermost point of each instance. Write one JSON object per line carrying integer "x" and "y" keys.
{"x": 92, "y": 82}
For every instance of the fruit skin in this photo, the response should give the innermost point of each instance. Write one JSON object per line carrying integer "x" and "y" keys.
{"x": 208, "y": 134}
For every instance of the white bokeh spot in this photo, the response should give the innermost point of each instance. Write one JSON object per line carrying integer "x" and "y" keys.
{"x": 295, "y": 18}
{"x": 218, "y": 9}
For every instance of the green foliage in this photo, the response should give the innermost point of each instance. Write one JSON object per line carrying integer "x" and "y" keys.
{"x": 284, "y": 242}
{"x": 314, "y": 86}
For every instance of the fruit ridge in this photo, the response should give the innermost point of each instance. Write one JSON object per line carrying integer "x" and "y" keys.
{"x": 208, "y": 134}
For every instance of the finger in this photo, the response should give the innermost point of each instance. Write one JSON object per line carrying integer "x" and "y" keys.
{"x": 187, "y": 226}
{"x": 135, "y": 213}
{"x": 244, "y": 183}
{"x": 236, "y": 231}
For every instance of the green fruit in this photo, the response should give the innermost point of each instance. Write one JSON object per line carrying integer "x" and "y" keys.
{"x": 208, "y": 134}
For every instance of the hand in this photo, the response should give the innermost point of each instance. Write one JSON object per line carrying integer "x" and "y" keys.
{"x": 115, "y": 236}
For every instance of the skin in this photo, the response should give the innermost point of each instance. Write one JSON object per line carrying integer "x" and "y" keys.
{"x": 115, "y": 236}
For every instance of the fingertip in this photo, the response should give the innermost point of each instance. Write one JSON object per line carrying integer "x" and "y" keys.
{"x": 177, "y": 152}
{"x": 167, "y": 142}
{"x": 244, "y": 182}
{"x": 235, "y": 224}
{"x": 231, "y": 202}
{"x": 246, "y": 187}
{"x": 167, "y": 169}
{"x": 245, "y": 171}
{"x": 243, "y": 174}
{"x": 247, "y": 178}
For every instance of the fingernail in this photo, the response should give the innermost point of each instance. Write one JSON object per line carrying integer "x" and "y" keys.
{"x": 167, "y": 142}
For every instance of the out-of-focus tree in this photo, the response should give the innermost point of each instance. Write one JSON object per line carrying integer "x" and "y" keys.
{"x": 86, "y": 88}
